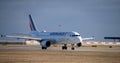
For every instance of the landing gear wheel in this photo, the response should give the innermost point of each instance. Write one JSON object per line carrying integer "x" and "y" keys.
{"x": 64, "y": 47}
{"x": 44, "y": 47}
{"x": 72, "y": 48}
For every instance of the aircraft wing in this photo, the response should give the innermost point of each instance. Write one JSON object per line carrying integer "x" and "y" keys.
{"x": 90, "y": 38}
{"x": 28, "y": 37}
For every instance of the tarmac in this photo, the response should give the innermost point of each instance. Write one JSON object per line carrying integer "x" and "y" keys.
{"x": 84, "y": 49}
{"x": 54, "y": 54}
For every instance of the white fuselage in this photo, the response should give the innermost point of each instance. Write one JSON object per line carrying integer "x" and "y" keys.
{"x": 59, "y": 37}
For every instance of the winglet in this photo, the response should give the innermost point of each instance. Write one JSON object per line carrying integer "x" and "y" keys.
{"x": 32, "y": 26}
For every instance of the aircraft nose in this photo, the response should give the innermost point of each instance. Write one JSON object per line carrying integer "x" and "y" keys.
{"x": 79, "y": 39}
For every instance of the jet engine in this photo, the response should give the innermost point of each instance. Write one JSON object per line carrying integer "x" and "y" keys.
{"x": 79, "y": 44}
{"x": 45, "y": 44}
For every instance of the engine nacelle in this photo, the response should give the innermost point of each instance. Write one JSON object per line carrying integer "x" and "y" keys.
{"x": 79, "y": 44}
{"x": 45, "y": 43}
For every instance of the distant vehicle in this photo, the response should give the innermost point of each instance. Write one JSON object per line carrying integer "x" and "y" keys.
{"x": 47, "y": 38}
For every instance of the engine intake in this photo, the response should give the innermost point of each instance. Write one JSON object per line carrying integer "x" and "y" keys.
{"x": 45, "y": 43}
{"x": 79, "y": 44}
{"x": 48, "y": 43}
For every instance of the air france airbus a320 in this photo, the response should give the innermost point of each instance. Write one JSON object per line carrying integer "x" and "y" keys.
{"x": 48, "y": 38}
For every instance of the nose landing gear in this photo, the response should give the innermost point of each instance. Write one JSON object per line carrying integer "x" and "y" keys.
{"x": 72, "y": 48}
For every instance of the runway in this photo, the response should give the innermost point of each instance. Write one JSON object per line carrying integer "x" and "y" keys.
{"x": 82, "y": 49}
{"x": 34, "y": 54}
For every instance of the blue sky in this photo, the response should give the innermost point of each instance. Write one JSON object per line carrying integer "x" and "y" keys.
{"x": 97, "y": 18}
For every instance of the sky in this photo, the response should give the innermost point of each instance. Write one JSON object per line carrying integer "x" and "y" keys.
{"x": 97, "y": 18}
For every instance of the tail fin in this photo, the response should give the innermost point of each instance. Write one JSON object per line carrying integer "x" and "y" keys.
{"x": 32, "y": 26}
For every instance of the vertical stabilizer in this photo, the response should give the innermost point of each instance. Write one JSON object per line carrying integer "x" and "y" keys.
{"x": 32, "y": 26}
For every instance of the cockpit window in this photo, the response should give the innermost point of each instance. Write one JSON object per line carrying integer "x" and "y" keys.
{"x": 75, "y": 35}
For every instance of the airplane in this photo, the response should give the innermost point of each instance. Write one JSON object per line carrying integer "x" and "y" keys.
{"x": 114, "y": 38}
{"x": 46, "y": 39}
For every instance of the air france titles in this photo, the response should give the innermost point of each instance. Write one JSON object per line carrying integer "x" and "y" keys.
{"x": 59, "y": 33}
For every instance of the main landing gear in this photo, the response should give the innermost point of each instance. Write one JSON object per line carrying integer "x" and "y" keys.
{"x": 44, "y": 48}
{"x": 65, "y": 47}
